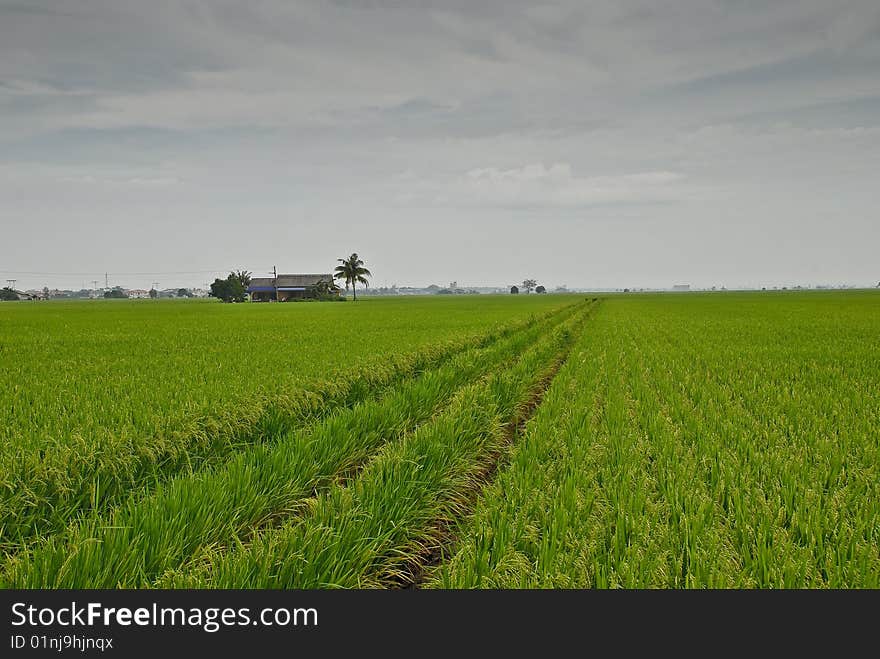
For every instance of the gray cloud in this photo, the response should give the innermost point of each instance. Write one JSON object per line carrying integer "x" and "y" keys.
{"x": 658, "y": 133}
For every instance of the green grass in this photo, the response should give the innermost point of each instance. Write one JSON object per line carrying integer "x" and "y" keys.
{"x": 133, "y": 367}
{"x": 687, "y": 441}
{"x": 107, "y": 396}
{"x": 148, "y": 535}
{"x": 369, "y": 532}
{"x": 695, "y": 441}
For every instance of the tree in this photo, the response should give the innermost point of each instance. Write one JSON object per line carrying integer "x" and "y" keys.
{"x": 540, "y": 289}
{"x": 243, "y": 276}
{"x": 8, "y": 295}
{"x": 352, "y": 270}
{"x": 220, "y": 290}
{"x": 529, "y": 284}
{"x": 116, "y": 293}
{"x": 183, "y": 292}
{"x": 326, "y": 290}
{"x": 153, "y": 293}
{"x": 230, "y": 289}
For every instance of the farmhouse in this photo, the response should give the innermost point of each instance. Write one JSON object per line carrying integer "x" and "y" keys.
{"x": 286, "y": 287}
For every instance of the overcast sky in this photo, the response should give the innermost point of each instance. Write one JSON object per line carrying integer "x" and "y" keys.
{"x": 604, "y": 144}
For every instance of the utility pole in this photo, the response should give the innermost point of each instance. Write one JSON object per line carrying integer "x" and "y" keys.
{"x": 11, "y": 283}
{"x": 275, "y": 281}
{"x": 95, "y": 287}
{"x": 155, "y": 286}
{"x": 106, "y": 280}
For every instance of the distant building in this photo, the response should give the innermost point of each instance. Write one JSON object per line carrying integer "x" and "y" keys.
{"x": 11, "y": 295}
{"x": 681, "y": 287}
{"x": 514, "y": 290}
{"x": 138, "y": 294}
{"x": 286, "y": 287}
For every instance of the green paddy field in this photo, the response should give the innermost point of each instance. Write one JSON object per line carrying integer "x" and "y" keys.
{"x": 551, "y": 441}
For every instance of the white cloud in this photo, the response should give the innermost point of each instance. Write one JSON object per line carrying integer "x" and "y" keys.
{"x": 298, "y": 115}
{"x": 536, "y": 184}
{"x": 142, "y": 181}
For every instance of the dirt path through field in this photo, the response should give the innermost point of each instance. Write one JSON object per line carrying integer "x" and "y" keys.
{"x": 436, "y": 554}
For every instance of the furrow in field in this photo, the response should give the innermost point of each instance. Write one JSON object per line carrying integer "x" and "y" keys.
{"x": 682, "y": 471}
{"x": 579, "y": 504}
{"x": 524, "y": 519}
{"x": 40, "y": 497}
{"x": 146, "y": 536}
{"x": 612, "y": 504}
{"x": 377, "y": 529}
{"x": 413, "y": 574}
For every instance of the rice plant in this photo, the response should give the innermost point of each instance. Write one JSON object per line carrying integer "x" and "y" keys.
{"x": 103, "y": 442}
{"x": 695, "y": 441}
{"x": 370, "y": 532}
{"x": 147, "y": 535}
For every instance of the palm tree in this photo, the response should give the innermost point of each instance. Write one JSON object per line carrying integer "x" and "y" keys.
{"x": 243, "y": 276}
{"x": 352, "y": 270}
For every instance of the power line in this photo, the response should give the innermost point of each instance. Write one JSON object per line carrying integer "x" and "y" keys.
{"x": 126, "y": 274}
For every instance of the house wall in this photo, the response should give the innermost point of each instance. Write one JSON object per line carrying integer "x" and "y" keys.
{"x": 284, "y": 296}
